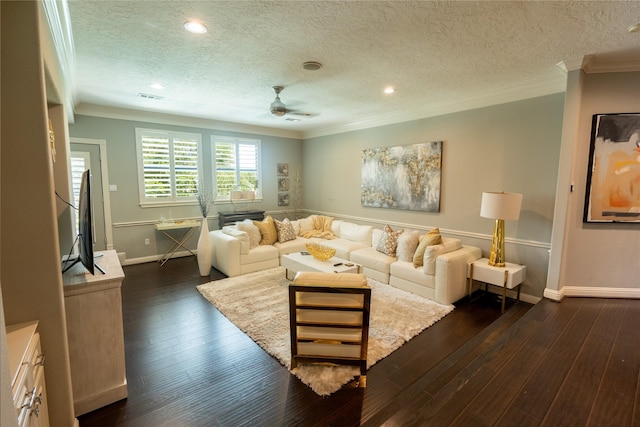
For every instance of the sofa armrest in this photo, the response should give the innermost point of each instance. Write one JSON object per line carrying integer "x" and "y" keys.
{"x": 451, "y": 273}
{"x": 226, "y": 253}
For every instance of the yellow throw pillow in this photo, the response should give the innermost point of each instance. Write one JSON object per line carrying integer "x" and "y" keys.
{"x": 433, "y": 237}
{"x": 268, "y": 230}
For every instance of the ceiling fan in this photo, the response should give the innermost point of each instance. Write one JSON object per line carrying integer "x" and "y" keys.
{"x": 278, "y": 108}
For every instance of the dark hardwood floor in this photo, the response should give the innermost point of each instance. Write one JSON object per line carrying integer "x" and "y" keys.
{"x": 570, "y": 364}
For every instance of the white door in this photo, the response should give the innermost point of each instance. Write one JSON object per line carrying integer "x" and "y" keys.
{"x": 83, "y": 157}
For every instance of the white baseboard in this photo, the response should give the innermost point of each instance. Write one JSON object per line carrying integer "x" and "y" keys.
{"x": 142, "y": 260}
{"x": 531, "y": 299}
{"x": 591, "y": 292}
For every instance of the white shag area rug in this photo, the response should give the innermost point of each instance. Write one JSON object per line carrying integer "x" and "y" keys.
{"x": 258, "y": 304}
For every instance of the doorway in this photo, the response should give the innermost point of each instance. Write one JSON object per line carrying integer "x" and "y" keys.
{"x": 91, "y": 154}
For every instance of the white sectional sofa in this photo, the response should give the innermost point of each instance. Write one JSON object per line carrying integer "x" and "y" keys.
{"x": 441, "y": 278}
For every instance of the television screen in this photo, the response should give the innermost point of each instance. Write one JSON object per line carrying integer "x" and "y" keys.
{"x": 85, "y": 229}
{"x": 85, "y": 223}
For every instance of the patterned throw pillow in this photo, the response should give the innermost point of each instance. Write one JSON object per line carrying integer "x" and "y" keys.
{"x": 388, "y": 241}
{"x": 286, "y": 231}
{"x": 433, "y": 237}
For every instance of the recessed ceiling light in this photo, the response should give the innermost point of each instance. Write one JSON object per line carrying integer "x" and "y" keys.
{"x": 156, "y": 86}
{"x": 634, "y": 28}
{"x": 195, "y": 27}
{"x": 389, "y": 90}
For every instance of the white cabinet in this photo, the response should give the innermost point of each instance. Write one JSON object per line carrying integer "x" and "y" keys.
{"x": 26, "y": 366}
{"x": 93, "y": 306}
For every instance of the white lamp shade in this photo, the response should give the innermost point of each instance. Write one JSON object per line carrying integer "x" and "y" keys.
{"x": 501, "y": 205}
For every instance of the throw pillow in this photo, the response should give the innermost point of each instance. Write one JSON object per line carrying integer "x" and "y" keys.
{"x": 285, "y": 230}
{"x": 433, "y": 237}
{"x": 306, "y": 224}
{"x": 407, "y": 244}
{"x": 254, "y": 232}
{"x": 388, "y": 241}
{"x": 268, "y": 231}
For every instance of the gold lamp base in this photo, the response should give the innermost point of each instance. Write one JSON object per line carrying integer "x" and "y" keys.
{"x": 496, "y": 259}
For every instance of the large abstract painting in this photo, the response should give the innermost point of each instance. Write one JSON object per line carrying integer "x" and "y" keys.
{"x": 613, "y": 178}
{"x": 403, "y": 177}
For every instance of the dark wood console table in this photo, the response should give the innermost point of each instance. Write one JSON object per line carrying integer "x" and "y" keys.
{"x": 225, "y": 218}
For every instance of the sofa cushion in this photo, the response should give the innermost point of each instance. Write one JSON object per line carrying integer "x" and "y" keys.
{"x": 315, "y": 278}
{"x": 433, "y": 237}
{"x": 285, "y": 230}
{"x": 388, "y": 241}
{"x": 240, "y": 235}
{"x": 298, "y": 244}
{"x": 260, "y": 254}
{"x": 254, "y": 232}
{"x": 371, "y": 258}
{"x": 432, "y": 252}
{"x": 406, "y": 271}
{"x": 335, "y": 227}
{"x": 407, "y": 245}
{"x": 343, "y": 247}
{"x": 356, "y": 232}
{"x": 268, "y": 232}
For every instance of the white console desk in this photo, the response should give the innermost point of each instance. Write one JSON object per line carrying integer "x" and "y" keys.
{"x": 93, "y": 306}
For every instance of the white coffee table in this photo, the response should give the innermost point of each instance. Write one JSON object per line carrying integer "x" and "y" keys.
{"x": 296, "y": 261}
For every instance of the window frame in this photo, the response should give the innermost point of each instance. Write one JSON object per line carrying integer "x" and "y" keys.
{"x": 173, "y": 200}
{"x": 237, "y": 141}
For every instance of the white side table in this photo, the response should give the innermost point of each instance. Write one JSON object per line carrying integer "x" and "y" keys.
{"x": 165, "y": 227}
{"x": 508, "y": 277}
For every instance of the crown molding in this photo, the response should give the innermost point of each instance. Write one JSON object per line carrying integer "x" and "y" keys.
{"x": 592, "y": 65}
{"x": 549, "y": 86}
{"x": 170, "y": 119}
{"x": 59, "y": 24}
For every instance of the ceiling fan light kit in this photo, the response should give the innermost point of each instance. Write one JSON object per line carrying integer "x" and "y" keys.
{"x": 278, "y": 108}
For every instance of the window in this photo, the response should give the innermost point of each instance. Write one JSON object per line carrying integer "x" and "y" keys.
{"x": 79, "y": 164}
{"x": 236, "y": 165}
{"x": 168, "y": 166}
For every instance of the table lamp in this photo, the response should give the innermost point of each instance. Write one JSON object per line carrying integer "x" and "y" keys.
{"x": 501, "y": 207}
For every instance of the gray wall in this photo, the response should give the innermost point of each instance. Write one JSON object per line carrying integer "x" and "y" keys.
{"x": 596, "y": 259}
{"x": 511, "y": 147}
{"x": 132, "y": 223}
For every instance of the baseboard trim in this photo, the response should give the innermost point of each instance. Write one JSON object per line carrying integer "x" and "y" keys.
{"x": 531, "y": 299}
{"x": 142, "y": 260}
{"x": 591, "y": 292}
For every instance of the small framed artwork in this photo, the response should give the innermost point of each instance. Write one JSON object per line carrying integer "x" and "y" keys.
{"x": 283, "y": 169}
{"x": 283, "y": 199}
{"x": 283, "y": 184}
{"x": 613, "y": 193}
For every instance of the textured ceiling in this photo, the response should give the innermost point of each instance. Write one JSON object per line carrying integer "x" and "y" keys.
{"x": 438, "y": 55}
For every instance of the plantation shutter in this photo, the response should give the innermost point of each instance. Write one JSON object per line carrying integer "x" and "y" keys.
{"x": 237, "y": 165}
{"x": 247, "y": 158}
{"x": 169, "y": 166}
{"x": 225, "y": 168}
{"x": 185, "y": 152}
{"x": 156, "y": 167}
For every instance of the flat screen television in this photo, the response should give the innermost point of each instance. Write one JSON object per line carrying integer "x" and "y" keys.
{"x": 85, "y": 228}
